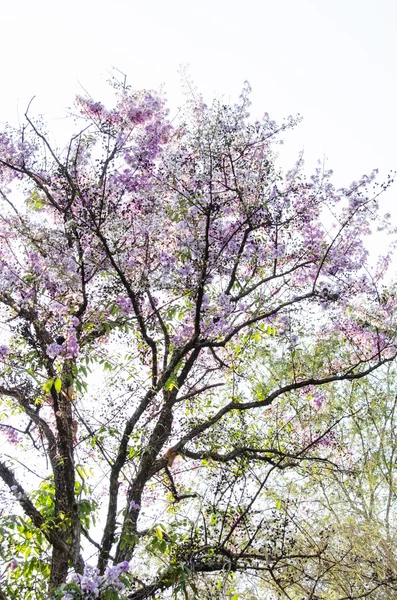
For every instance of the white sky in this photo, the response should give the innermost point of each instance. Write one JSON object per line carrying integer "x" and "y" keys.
{"x": 334, "y": 62}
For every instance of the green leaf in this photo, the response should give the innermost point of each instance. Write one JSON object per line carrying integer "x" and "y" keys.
{"x": 58, "y": 385}
{"x": 47, "y": 385}
{"x": 171, "y": 383}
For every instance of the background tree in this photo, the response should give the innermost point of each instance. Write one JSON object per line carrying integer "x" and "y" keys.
{"x": 340, "y": 512}
{"x": 359, "y": 502}
{"x": 170, "y": 297}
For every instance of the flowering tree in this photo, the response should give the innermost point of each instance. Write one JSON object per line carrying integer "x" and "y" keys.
{"x": 169, "y": 298}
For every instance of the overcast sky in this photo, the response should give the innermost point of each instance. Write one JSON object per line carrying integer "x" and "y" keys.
{"x": 334, "y": 62}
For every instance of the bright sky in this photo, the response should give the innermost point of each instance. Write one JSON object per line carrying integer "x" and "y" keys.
{"x": 334, "y": 62}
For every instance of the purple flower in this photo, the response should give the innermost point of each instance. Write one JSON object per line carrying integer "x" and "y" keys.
{"x": 94, "y": 584}
{"x": 72, "y": 347}
{"x": 89, "y": 585}
{"x": 124, "y": 566}
{"x": 318, "y": 402}
{"x": 53, "y": 350}
{"x": 125, "y": 304}
{"x": 13, "y": 565}
{"x": 12, "y": 435}
{"x": 134, "y": 505}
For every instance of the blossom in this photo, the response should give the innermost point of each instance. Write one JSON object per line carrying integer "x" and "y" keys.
{"x": 72, "y": 346}
{"x": 94, "y": 584}
{"x": 11, "y": 434}
{"x": 319, "y": 399}
{"x": 90, "y": 585}
{"x": 125, "y": 304}
{"x": 53, "y": 350}
{"x": 13, "y": 565}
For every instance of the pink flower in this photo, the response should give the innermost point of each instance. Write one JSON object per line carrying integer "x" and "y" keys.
{"x": 13, "y": 565}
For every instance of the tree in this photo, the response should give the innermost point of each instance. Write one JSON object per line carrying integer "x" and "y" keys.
{"x": 342, "y": 513}
{"x": 169, "y": 296}
{"x": 359, "y": 503}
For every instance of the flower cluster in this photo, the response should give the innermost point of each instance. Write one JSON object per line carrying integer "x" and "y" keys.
{"x": 12, "y": 435}
{"x": 92, "y": 586}
{"x": 54, "y": 350}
